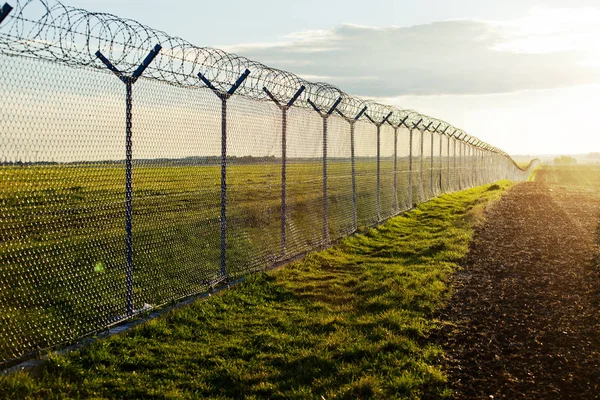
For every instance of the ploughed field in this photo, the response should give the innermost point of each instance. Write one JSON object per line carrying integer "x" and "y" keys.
{"x": 62, "y": 233}
{"x": 524, "y": 319}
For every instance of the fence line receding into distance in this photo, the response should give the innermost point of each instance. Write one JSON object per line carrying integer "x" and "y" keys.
{"x": 138, "y": 169}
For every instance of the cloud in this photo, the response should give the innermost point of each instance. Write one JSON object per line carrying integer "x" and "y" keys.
{"x": 447, "y": 57}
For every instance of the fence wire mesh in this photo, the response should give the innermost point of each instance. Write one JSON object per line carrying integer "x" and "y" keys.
{"x": 138, "y": 169}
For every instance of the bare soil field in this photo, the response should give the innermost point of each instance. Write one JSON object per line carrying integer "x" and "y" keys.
{"x": 523, "y": 320}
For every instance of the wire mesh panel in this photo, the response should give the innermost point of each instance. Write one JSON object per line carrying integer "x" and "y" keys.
{"x": 387, "y": 194}
{"x": 403, "y": 172}
{"x": 365, "y": 139}
{"x": 304, "y": 181}
{"x": 339, "y": 179}
{"x": 62, "y": 253}
{"x": 176, "y": 192}
{"x": 253, "y": 185}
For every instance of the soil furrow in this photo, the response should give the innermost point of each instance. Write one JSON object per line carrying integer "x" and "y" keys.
{"x": 523, "y": 319}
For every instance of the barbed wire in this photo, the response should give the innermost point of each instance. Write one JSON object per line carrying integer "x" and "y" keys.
{"x": 57, "y": 32}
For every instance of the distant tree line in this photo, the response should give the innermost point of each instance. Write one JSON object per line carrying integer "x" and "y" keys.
{"x": 565, "y": 160}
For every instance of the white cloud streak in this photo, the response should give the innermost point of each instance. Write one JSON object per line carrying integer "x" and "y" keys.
{"x": 548, "y": 49}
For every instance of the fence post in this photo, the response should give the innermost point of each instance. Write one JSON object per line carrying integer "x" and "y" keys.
{"x": 473, "y": 164}
{"x": 466, "y": 165}
{"x": 378, "y": 125}
{"x": 449, "y": 173}
{"x": 325, "y": 116}
{"x": 410, "y": 163}
{"x": 4, "y": 11}
{"x": 455, "y": 173}
{"x": 461, "y": 167}
{"x": 442, "y": 187}
{"x": 482, "y": 163}
{"x": 378, "y": 173}
{"x": 422, "y": 192}
{"x": 479, "y": 165}
{"x": 224, "y": 96}
{"x": 129, "y": 81}
{"x": 352, "y": 121}
{"x": 461, "y": 152}
{"x": 475, "y": 150}
{"x": 396, "y": 206}
{"x": 284, "y": 108}
{"x": 410, "y": 168}
{"x": 431, "y": 161}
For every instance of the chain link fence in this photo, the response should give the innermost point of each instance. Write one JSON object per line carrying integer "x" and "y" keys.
{"x": 138, "y": 169}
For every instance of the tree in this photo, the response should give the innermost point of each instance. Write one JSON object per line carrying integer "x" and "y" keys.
{"x": 565, "y": 160}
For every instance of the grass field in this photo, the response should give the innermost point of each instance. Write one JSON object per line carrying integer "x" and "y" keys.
{"x": 62, "y": 243}
{"x": 349, "y": 322}
{"x": 584, "y": 176}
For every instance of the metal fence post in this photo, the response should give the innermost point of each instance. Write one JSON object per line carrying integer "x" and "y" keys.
{"x": 473, "y": 165}
{"x": 353, "y": 166}
{"x": 410, "y": 167}
{"x": 4, "y": 11}
{"x": 224, "y": 96}
{"x": 325, "y": 116}
{"x": 449, "y": 171}
{"x": 475, "y": 152}
{"x": 396, "y": 127}
{"x": 442, "y": 188}
{"x": 325, "y": 199}
{"x": 128, "y": 198}
{"x": 431, "y": 162}
{"x": 223, "y": 186}
{"x": 480, "y": 165}
{"x": 396, "y": 208}
{"x": 410, "y": 164}
{"x": 462, "y": 164}
{"x": 378, "y": 173}
{"x": 283, "y": 181}
{"x": 422, "y": 191}
{"x": 352, "y": 121}
{"x": 378, "y": 125}
{"x": 129, "y": 81}
{"x": 284, "y": 108}
{"x": 455, "y": 173}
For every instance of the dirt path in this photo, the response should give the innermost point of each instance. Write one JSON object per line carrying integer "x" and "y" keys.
{"x": 525, "y": 308}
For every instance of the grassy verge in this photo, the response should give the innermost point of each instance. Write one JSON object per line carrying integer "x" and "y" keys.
{"x": 349, "y": 322}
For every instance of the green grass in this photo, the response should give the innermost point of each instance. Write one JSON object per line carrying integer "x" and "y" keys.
{"x": 349, "y": 322}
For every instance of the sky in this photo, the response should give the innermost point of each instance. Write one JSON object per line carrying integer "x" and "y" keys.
{"x": 522, "y": 75}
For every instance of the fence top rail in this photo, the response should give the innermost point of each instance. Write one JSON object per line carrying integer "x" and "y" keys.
{"x": 50, "y": 30}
